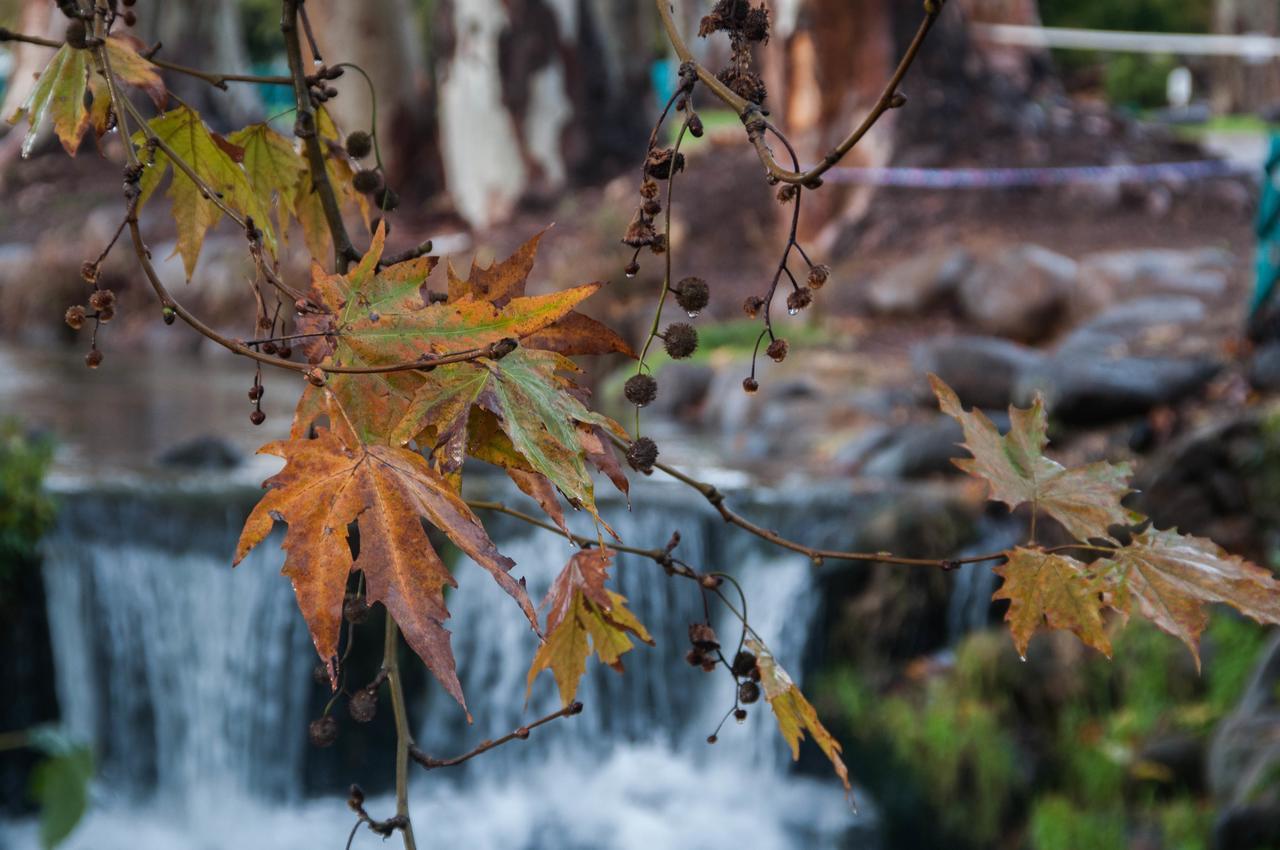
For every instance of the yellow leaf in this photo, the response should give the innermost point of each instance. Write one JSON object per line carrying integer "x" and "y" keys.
{"x": 1046, "y": 589}
{"x": 793, "y": 712}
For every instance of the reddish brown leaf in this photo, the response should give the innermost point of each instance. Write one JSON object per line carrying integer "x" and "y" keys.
{"x": 1171, "y": 576}
{"x": 334, "y": 480}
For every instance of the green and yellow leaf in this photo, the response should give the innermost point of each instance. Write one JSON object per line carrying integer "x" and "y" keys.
{"x": 216, "y": 162}
{"x": 1047, "y": 590}
{"x": 274, "y": 169}
{"x": 60, "y": 93}
{"x": 794, "y": 714}
{"x": 1086, "y": 500}
{"x": 584, "y": 616}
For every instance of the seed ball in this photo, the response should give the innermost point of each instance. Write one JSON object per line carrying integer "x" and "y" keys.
{"x": 75, "y": 317}
{"x": 257, "y": 417}
{"x": 649, "y": 189}
{"x": 708, "y": 665}
{"x": 743, "y": 663}
{"x": 89, "y": 272}
{"x": 255, "y": 392}
{"x": 702, "y": 636}
{"x": 320, "y": 674}
{"x": 363, "y": 705}
{"x": 130, "y": 18}
{"x": 680, "y": 340}
{"x": 640, "y": 390}
{"x": 102, "y": 299}
{"x": 632, "y": 269}
{"x": 777, "y": 350}
{"x": 818, "y": 276}
{"x": 93, "y": 359}
{"x": 652, "y": 207}
{"x": 106, "y": 314}
{"x": 323, "y": 731}
{"x": 711, "y": 739}
{"x": 740, "y": 714}
{"x": 693, "y": 294}
{"x": 367, "y": 181}
{"x": 695, "y": 126}
{"x": 359, "y": 144}
{"x": 748, "y": 692}
{"x": 753, "y": 305}
{"x": 76, "y": 34}
{"x": 356, "y": 609}
{"x": 642, "y": 455}
{"x": 799, "y": 299}
{"x": 750, "y": 385}
{"x": 386, "y": 199}
{"x": 694, "y": 657}
{"x": 316, "y": 377}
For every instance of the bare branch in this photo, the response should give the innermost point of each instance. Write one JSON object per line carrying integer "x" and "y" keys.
{"x": 521, "y": 734}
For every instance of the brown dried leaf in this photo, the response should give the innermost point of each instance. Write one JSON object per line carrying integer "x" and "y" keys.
{"x": 1047, "y": 590}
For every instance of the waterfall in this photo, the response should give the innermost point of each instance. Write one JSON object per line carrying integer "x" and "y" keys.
{"x": 192, "y": 680}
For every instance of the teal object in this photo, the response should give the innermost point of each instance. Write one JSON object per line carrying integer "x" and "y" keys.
{"x": 1268, "y": 229}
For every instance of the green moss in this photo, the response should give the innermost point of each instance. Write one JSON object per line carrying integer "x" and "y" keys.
{"x": 25, "y": 508}
{"x": 1058, "y": 824}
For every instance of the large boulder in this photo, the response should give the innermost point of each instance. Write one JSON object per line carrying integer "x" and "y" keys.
{"x": 1020, "y": 294}
{"x": 204, "y": 453}
{"x": 919, "y": 284}
{"x": 1201, "y": 272}
{"x": 983, "y": 371}
{"x": 1086, "y": 389}
{"x": 1129, "y": 325}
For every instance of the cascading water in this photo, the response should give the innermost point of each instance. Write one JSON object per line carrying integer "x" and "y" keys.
{"x": 192, "y": 681}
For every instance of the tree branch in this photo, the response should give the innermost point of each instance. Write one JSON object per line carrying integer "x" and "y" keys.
{"x": 521, "y": 734}
{"x": 213, "y": 78}
{"x": 751, "y": 115}
{"x": 305, "y": 128}
{"x": 404, "y": 739}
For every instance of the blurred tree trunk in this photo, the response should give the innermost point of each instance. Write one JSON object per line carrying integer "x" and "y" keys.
{"x": 208, "y": 35}
{"x": 536, "y": 95}
{"x": 829, "y": 59}
{"x": 384, "y": 38}
{"x": 1236, "y": 85}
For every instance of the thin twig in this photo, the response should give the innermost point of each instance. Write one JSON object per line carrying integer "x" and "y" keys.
{"x": 750, "y": 113}
{"x": 429, "y": 763}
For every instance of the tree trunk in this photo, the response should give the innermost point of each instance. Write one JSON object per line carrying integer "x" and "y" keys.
{"x": 384, "y": 38}
{"x": 1236, "y": 85}
{"x": 535, "y": 95}
{"x": 828, "y": 61}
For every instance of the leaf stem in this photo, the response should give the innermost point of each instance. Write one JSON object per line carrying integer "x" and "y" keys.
{"x": 404, "y": 739}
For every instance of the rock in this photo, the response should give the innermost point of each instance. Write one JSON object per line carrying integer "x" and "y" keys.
{"x": 1247, "y": 827}
{"x": 916, "y": 450}
{"x": 1174, "y": 762}
{"x": 1020, "y": 294}
{"x": 1084, "y": 389}
{"x": 918, "y": 285}
{"x": 1122, "y": 326}
{"x": 982, "y": 370}
{"x": 1202, "y": 273}
{"x": 1264, "y": 371}
{"x": 209, "y": 453}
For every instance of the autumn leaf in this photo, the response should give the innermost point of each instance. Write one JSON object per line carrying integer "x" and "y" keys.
{"x": 533, "y": 403}
{"x": 572, "y": 335}
{"x": 1086, "y": 500}
{"x": 794, "y": 714}
{"x": 274, "y": 169}
{"x": 1054, "y": 591}
{"x": 583, "y": 615}
{"x": 334, "y": 480}
{"x": 1171, "y": 576}
{"x": 60, "y": 93}
{"x": 214, "y": 161}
